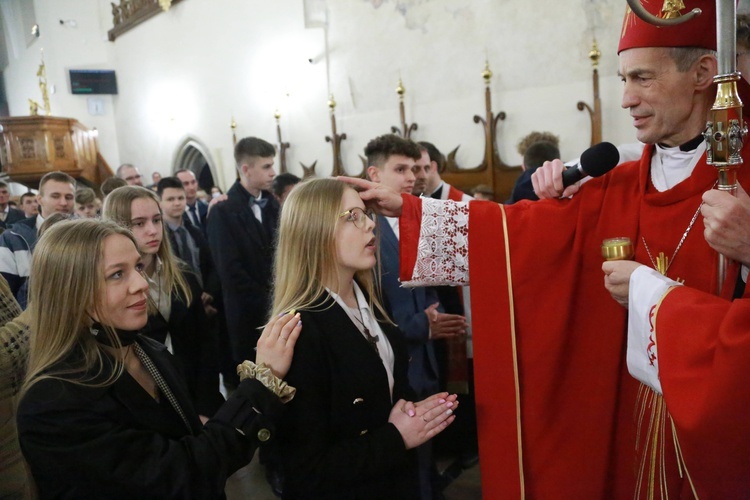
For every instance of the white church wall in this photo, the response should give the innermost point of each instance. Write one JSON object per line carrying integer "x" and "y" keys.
{"x": 78, "y": 43}
{"x": 186, "y": 73}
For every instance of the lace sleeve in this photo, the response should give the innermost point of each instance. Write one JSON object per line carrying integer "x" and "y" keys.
{"x": 443, "y": 250}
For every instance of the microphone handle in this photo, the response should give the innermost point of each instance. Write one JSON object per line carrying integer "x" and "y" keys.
{"x": 572, "y": 175}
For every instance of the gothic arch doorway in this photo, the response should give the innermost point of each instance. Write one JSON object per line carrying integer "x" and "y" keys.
{"x": 194, "y": 156}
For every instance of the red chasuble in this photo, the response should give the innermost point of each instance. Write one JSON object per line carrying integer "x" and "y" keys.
{"x": 704, "y": 354}
{"x": 556, "y": 406}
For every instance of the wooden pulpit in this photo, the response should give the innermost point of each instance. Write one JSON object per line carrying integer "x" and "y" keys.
{"x": 35, "y": 145}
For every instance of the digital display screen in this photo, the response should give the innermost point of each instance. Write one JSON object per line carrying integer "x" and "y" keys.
{"x": 93, "y": 81}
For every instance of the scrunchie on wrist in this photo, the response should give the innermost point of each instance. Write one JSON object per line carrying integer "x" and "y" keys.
{"x": 263, "y": 374}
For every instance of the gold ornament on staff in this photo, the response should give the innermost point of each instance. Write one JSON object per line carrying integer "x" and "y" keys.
{"x": 595, "y": 113}
{"x": 233, "y": 126}
{"x": 406, "y": 129}
{"x": 335, "y": 139}
{"x": 283, "y": 146}
{"x": 491, "y": 159}
{"x": 726, "y": 129}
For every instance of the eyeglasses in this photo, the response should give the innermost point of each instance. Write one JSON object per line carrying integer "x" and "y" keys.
{"x": 358, "y": 216}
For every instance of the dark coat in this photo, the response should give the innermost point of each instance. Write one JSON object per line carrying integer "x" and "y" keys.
{"x": 118, "y": 442}
{"x": 407, "y": 306}
{"x": 335, "y": 438}
{"x": 14, "y": 215}
{"x": 209, "y": 276}
{"x": 523, "y": 189}
{"x": 194, "y": 344}
{"x": 202, "y": 208}
{"x": 243, "y": 249}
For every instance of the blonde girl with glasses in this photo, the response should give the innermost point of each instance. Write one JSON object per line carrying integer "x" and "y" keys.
{"x": 351, "y": 429}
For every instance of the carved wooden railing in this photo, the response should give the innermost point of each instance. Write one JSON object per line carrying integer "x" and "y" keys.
{"x": 595, "y": 113}
{"x": 32, "y": 146}
{"x": 492, "y": 171}
{"x": 280, "y": 144}
{"x": 335, "y": 139}
{"x": 406, "y": 129}
{"x": 130, "y": 13}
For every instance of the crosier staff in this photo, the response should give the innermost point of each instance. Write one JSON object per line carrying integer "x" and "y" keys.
{"x": 726, "y": 130}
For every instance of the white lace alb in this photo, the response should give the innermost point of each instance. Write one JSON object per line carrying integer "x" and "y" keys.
{"x": 443, "y": 249}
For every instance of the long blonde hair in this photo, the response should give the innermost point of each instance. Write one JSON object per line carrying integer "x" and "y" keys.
{"x": 306, "y": 250}
{"x": 118, "y": 207}
{"x": 66, "y": 282}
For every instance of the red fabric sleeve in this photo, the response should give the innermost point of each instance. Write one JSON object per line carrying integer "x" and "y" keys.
{"x": 409, "y": 226}
{"x": 704, "y": 358}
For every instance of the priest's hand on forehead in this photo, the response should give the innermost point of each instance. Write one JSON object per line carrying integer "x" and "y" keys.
{"x": 378, "y": 197}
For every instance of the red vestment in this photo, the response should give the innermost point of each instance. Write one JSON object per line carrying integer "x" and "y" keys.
{"x": 704, "y": 353}
{"x": 455, "y": 194}
{"x": 556, "y": 406}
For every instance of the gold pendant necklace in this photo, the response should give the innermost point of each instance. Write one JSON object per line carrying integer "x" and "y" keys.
{"x": 661, "y": 263}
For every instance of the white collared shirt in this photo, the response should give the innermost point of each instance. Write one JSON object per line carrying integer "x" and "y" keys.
{"x": 162, "y": 298}
{"x": 363, "y": 314}
{"x": 670, "y": 166}
{"x": 393, "y": 222}
{"x": 257, "y": 212}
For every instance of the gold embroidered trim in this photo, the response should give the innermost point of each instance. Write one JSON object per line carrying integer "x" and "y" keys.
{"x": 265, "y": 376}
{"x": 515, "y": 351}
{"x": 681, "y": 465}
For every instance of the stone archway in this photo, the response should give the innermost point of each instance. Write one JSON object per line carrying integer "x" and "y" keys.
{"x": 194, "y": 156}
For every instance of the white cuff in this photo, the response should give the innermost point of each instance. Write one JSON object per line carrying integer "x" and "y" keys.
{"x": 647, "y": 287}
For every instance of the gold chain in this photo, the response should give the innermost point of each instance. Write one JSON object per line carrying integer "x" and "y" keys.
{"x": 661, "y": 264}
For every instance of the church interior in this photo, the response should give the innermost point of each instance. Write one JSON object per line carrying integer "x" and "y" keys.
{"x": 173, "y": 84}
{"x": 320, "y": 76}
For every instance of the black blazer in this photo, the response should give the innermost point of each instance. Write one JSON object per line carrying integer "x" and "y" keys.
{"x": 211, "y": 283}
{"x": 335, "y": 438}
{"x": 523, "y": 189}
{"x": 242, "y": 249}
{"x": 118, "y": 442}
{"x": 14, "y": 215}
{"x": 194, "y": 345}
{"x": 202, "y": 208}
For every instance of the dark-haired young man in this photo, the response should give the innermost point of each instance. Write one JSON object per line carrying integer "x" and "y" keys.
{"x": 435, "y": 186}
{"x": 534, "y": 157}
{"x": 283, "y": 185}
{"x": 241, "y": 233}
{"x": 29, "y": 205}
{"x": 416, "y": 311}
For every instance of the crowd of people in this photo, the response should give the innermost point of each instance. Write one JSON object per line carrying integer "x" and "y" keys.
{"x": 345, "y": 318}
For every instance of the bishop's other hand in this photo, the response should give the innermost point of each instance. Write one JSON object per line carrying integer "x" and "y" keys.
{"x": 726, "y": 219}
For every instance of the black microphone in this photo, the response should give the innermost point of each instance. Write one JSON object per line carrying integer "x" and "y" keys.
{"x": 595, "y": 161}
